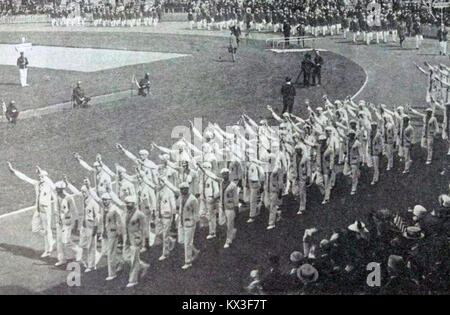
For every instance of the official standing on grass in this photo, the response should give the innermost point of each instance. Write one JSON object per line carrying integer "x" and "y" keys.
{"x": 22, "y": 63}
{"x": 442, "y": 37}
{"x": 288, "y": 92}
{"x": 232, "y": 48}
{"x": 317, "y": 69}
{"x": 286, "y": 32}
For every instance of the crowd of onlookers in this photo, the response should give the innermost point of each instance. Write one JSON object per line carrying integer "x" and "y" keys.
{"x": 269, "y": 16}
{"x": 391, "y": 253}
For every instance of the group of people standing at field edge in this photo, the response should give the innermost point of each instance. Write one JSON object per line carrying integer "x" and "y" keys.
{"x": 129, "y": 15}
{"x": 319, "y": 18}
{"x": 248, "y": 163}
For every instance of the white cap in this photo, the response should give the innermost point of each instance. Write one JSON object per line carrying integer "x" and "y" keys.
{"x": 164, "y": 157}
{"x": 106, "y": 196}
{"x": 121, "y": 169}
{"x": 322, "y": 137}
{"x": 43, "y": 173}
{"x": 358, "y": 226}
{"x": 444, "y": 200}
{"x": 419, "y": 210}
{"x": 254, "y": 273}
{"x": 143, "y": 152}
{"x": 60, "y": 185}
{"x": 224, "y": 170}
{"x": 130, "y": 199}
{"x": 296, "y": 256}
{"x": 184, "y": 185}
{"x": 207, "y": 164}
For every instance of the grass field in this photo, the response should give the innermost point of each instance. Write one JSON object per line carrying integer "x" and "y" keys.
{"x": 184, "y": 88}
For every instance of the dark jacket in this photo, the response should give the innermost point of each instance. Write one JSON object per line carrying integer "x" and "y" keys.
{"x": 288, "y": 92}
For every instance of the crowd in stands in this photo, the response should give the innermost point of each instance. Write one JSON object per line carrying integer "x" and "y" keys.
{"x": 326, "y": 17}
{"x": 408, "y": 250}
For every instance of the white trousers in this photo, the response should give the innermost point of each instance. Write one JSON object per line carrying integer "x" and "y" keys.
{"x": 231, "y": 230}
{"x": 64, "y": 241}
{"x": 23, "y": 76}
{"x": 189, "y": 248}
{"x": 443, "y": 46}
{"x": 41, "y": 223}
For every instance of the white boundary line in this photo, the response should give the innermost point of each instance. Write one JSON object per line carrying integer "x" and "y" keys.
{"x": 365, "y": 82}
{"x": 9, "y": 214}
{"x": 32, "y": 207}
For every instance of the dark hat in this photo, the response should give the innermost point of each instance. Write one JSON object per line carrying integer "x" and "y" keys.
{"x": 288, "y": 79}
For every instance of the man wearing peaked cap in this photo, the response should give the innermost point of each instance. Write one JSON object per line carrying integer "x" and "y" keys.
{"x": 101, "y": 174}
{"x": 288, "y": 92}
{"x": 273, "y": 187}
{"x": 45, "y": 197}
{"x": 90, "y": 223}
{"x": 65, "y": 212}
{"x": 189, "y": 217}
{"x": 375, "y": 150}
{"x": 166, "y": 210}
{"x": 255, "y": 178}
{"x": 228, "y": 202}
{"x": 209, "y": 198}
{"x": 112, "y": 226}
{"x": 301, "y": 173}
{"x": 134, "y": 240}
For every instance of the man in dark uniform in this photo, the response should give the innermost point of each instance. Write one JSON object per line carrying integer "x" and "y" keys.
{"x": 307, "y": 66}
{"x": 288, "y": 92}
{"x": 317, "y": 68}
{"x": 144, "y": 86}
{"x": 286, "y": 31}
{"x": 78, "y": 96}
{"x": 12, "y": 113}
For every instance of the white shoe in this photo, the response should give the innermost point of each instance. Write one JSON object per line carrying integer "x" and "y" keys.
{"x": 428, "y": 162}
{"x": 226, "y": 245}
{"x": 353, "y": 192}
{"x": 60, "y": 263}
{"x": 251, "y": 220}
{"x": 131, "y": 284}
{"x": 45, "y": 254}
{"x": 162, "y": 258}
{"x": 211, "y": 236}
{"x": 110, "y": 278}
{"x": 186, "y": 266}
{"x": 88, "y": 270}
{"x": 270, "y": 227}
{"x": 372, "y": 183}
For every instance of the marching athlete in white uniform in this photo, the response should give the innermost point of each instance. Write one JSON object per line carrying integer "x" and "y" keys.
{"x": 45, "y": 201}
